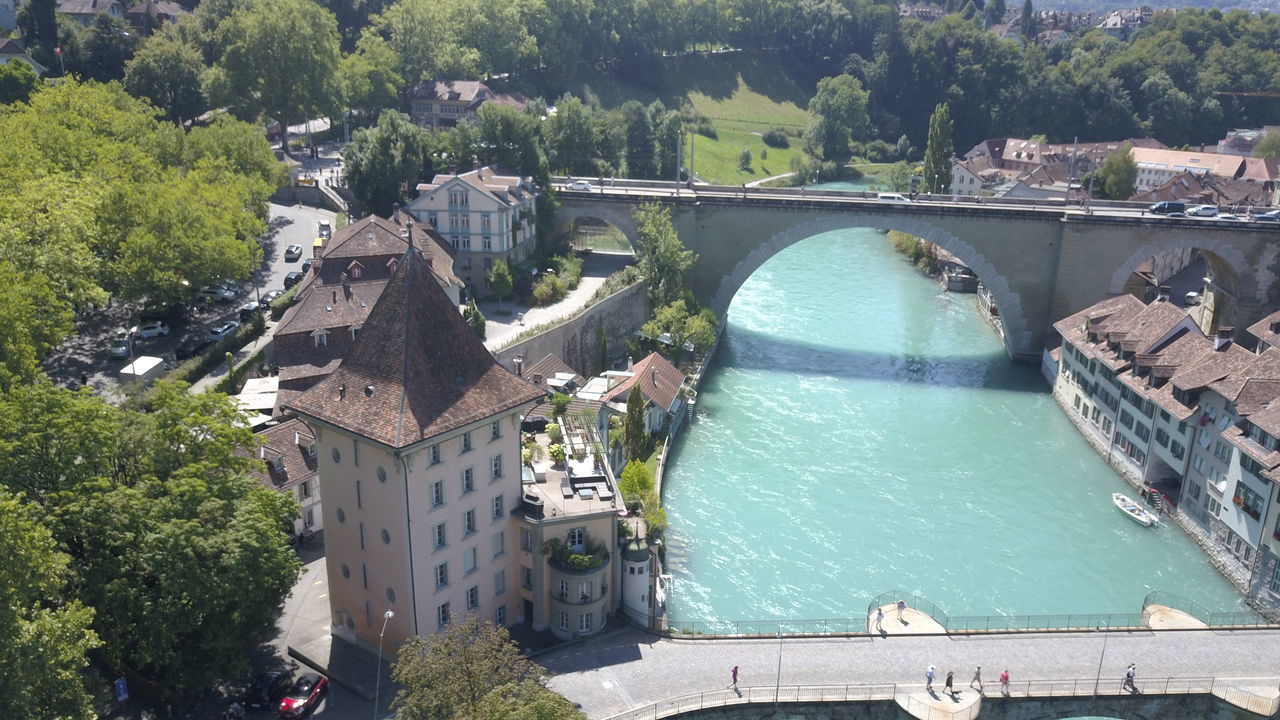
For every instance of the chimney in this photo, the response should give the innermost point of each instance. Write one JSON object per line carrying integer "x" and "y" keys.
{"x": 395, "y": 213}
{"x": 1275, "y": 326}
{"x": 518, "y": 360}
{"x": 1162, "y": 293}
{"x": 342, "y": 391}
{"x": 409, "y": 236}
{"x": 335, "y": 297}
{"x": 629, "y": 363}
{"x": 1224, "y": 337}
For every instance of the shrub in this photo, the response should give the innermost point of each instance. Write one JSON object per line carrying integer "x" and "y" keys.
{"x": 554, "y": 433}
{"x": 744, "y": 159}
{"x": 560, "y": 403}
{"x": 569, "y": 270}
{"x": 549, "y": 289}
{"x": 557, "y": 453}
{"x": 880, "y": 151}
{"x": 703, "y": 127}
{"x": 776, "y": 138}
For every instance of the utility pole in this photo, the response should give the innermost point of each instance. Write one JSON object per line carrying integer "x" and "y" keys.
{"x": 679, "y": 152}
{"x": 692, "y": 135}
{"x": 1098, "y": 679}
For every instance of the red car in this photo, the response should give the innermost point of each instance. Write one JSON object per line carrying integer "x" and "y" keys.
{"x": 304, "y": 696}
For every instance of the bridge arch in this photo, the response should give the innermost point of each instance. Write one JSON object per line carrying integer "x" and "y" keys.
{"x": 618, "y": 215}
{"x": 1244, "y": 283}
{"x": 1018, "y": 337}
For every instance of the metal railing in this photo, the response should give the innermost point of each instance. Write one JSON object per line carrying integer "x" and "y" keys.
{"x": 908, "y": 696}
{"x": 913, "y": 601}
{"x": 1236, "y": 618}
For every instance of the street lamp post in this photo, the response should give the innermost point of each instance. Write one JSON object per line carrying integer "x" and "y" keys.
{"x": 377, "y": 685}
{"x": 1098, "y": 678}
{"x": 777, "y": 685}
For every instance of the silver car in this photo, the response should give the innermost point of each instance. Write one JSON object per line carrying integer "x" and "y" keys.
{"x": 1203, "y": 211}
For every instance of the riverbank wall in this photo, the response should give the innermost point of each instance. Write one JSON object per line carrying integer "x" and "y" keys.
{"x": 574, "y": 339}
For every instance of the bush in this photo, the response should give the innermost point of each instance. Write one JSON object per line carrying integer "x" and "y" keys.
{"x": 549, "y": 289}
{"x": 197, "y": 367}
{"x": 560, "y": 403}
{"x": 744, "y": 159}
{"x": 557, "y": 453}
{"x": 880, "y": 151}
{"x": 554, "y": 433}
{"x": 569, "y": 270}
{"x": 776, "y": 138}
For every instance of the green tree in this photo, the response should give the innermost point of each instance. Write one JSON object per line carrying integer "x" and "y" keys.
{"x": 370, "y": 83}
{"x": 43, "y": 635}
{"x": 511, "y": 139}
{"x": 638, "y": 161}
{"x": 669, "y": 126}
{"x": 166, "y": 72}
{"x": 634, "y": 424}
{"x": 937, "y": 154}
{"x": 281, "y": 61}
{"x": 17, "y": 82}
{"x": 38, "y": 20}
{"x": 994, "y": 12}
{"x": 108, "y": 45}
{"x": 34, "y": 318}
{"x": 384, "y": 163}
{"x": 602, "y": 350}
{"x": 1268, "y": 146}
{"x": 635, "y": 482}
{"x": 1028, "y": 27}
{"x": 471, "y": 671}
{"x": 839, "y": 110}
{"x": 500, "y": 280}
{"x": 571, "y": 138}
{"x": 1118, "y": 175}
{"x": 663, "y": 257}
{"x": 744, "y": 159}
{"x": 474, "y": 318}
{"x": 898, "y": 177}
{"x": 559, "y": 404}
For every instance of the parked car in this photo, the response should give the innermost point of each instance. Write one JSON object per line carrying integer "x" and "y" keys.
{"x": 1229, "y": 216}
{"x": 1166, "y": 207}
{"x": 892, "y": 197}
{"x": 1203, "y": 211}
{"x": 292, "y": 253}
{"x": 148, "y": 330}
{"x": 248, "y": 310}
{"x": 306, "y": 265}
{"x": 121, "y": 344}
{"x": 306, "y": 693}
{"x": 292, "y": 279}
{"x": 580, "y": 185}
{"x": 1176, "y": 215}
{"x": 326, "y": 229}
{"x": 217, "y": 293}
{"x": 267, "y": 299}
{"x": 223, "y": 330}
{"x": 267, "y": 690}
{"x": 1270, "y": 216}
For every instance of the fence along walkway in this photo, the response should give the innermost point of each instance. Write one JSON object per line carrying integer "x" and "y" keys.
{"x": 1257, "y": 695}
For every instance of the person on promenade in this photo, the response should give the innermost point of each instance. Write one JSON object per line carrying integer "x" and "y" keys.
{"x": 928, "y": 679}
{"x": 1004, "y": 683}
{"x": 902, "y": 605}
{"x": 1128, "y": 679}
{"x": 735, "y": 676}
{"x": 949, "y": 689}
{"x": 880, "y": 620}
{"x": 976, "y": 682}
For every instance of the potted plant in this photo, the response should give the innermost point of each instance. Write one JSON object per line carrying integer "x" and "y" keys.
{"x": 557, "y": 454}
{"x": 554, "y": 433}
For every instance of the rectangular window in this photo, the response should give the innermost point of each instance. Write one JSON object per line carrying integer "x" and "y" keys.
{"x": 1126, "y": 419}
{"x": 1248, "y": 501}
{"x": 499, "y": 582}
{"x": 469, "y": 521}
{"x": 526, "y": 577}
{"x": 442, "y": 614}
{"x": 1193, "y": 490}
{"x": 526, "y": 539}
{"x": 437, "y": 493}
{"x": 584, "y": 622}
{"x": 1222, "y": 451}
{"x": 486, "y": 243}
{"x": 1176, "y": 448}
{"x": 310, "y": 518}
{"x": 466, "y": 442}
{"x": 305, "y": 489}
{"x": 1162, "y": 437}
{"x": 468, "y": 481}
{"x": 563, "y": 593}
{"x": 498, "y": 509}
{"x": 1142, "y": 431}
{"x": 1075, "y": 403}
{"x": 442, "y": 575}
{"x": 500, "y": 615}
{"x": 433, "y": 455}
{"x": 496, "y": 466}
{"x": 564, "y": 620}
{"x": 441, "y": 536}
{"x": 495, "y": 430}
{"x": 584, "y": 591}
{"x": 469, "y": 561}
{"x": 577, "y": 536}
{"x": 500, "y": 543}
{"x": 473, "y": 597}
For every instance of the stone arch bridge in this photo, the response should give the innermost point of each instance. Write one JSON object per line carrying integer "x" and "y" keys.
{"x": 1040, "y": 261}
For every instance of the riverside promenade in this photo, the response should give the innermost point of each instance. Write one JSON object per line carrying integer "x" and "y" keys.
{"x": 630, "y": 669}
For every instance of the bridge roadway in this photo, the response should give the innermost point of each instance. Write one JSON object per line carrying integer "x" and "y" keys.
{"x": 627, "y": 669}
{"x": 1040, "y": 259}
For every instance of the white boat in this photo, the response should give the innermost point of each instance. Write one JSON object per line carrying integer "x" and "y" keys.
{"x": 1136, "y": 512}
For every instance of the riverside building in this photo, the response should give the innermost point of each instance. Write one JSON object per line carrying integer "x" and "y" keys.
{"x": 1193, "y": 419}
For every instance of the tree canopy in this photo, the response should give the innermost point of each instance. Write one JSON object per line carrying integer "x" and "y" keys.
{"x": 839, "y": 110}
{"x": 166, "y": 72}
{"x": 384, "y": 163}
{"x": 663, "y": 258}
{"x": 939, "y": 151}
{"x": 1117, "y": 176}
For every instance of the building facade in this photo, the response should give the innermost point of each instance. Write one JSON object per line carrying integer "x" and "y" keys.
{"x": 486, "y": 215}
{"x": 444, "y": 104}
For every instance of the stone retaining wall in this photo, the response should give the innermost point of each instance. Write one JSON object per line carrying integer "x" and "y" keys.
{"x": 575, "y": 340}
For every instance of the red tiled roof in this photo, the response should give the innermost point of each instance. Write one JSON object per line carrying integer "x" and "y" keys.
{"x": 659, "y": 381}
{"x": 416, "y": 370}
{"x": 1267, "y": 329}
{"x": 288, "y": 442}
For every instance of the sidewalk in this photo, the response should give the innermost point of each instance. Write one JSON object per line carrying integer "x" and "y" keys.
{"x": 240, "y": 357}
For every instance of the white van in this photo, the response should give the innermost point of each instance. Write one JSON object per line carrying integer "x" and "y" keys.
{"x": 892, "y": 197}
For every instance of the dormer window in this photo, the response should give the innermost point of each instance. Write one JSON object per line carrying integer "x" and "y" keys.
{"x": 355, "y": 331}
{"x": 311, "y": 449}
{"x": 355, "y": 270}
{"x": 277, "y": 463}
{"x": 321, "y": 337}
{"x": 392, "y": 264}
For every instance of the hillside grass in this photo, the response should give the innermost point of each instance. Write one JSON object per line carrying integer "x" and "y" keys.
{"x": 744, "y": 94}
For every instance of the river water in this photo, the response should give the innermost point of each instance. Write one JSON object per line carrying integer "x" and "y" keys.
{"x": 863, "y": 431}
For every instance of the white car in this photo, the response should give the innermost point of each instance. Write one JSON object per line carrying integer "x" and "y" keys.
{"x": 580, "y": 185}
{"x": 150, "y": 330}
{"x": 1203, "y": 211}
{"x": 218, "y": 332}
{"x": 217, "y": 293}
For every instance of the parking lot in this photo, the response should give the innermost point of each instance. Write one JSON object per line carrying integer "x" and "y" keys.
{"x": 85, "y": 357}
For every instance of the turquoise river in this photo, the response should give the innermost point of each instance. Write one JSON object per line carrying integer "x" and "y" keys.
{"x": 862, "y": 431}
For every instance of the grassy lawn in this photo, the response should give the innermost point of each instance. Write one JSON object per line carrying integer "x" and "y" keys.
{"x": 743, "y": 95}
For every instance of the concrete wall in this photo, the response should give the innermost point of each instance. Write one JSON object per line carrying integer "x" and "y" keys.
{"x": 1040, "y": 263}
{"x": 575, "y": 340}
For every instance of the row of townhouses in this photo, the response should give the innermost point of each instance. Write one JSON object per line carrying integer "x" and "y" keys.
{"x": 1194, "y": 418}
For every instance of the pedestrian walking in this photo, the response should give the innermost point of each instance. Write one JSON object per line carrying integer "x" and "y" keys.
{"x": 976, "y": 682}
{"x": 1128, "y": 679}
{"x": 879, "y": 620}
{"x": 735, "y": 676}
{"x": 928, "y": 678}
{"x": 1004, "y": 682}
{"x": 950, "y": 690}
{"x": 902, "y": 605}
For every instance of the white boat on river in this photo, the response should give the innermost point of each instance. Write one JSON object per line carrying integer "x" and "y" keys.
{"x": 1136, "y": 512}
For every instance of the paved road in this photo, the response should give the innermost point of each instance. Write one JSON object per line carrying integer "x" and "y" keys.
{"x": 630, "y": 669}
